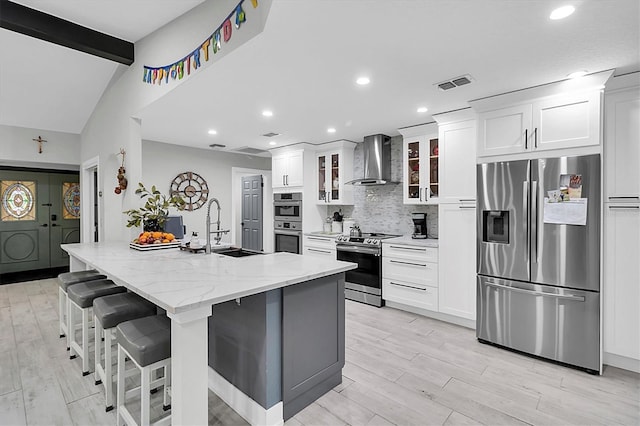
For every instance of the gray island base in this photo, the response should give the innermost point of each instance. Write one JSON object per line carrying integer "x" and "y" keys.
{"x": 265, "y": 332}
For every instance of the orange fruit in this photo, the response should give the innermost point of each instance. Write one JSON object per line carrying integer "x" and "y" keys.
{"x": 166, "y": 241}
{"x": 169, "y": 236}
{"x": 142, "y": 240}
{"x": 157, "y": 235}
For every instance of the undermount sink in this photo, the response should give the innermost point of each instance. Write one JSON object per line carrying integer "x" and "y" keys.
{"x": 238, "y": 252}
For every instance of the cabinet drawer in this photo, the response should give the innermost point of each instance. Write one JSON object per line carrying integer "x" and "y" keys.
{"x": 320, "y": 252}
{"x": 410, "y": 294}
{"x": 415, "y": 271}
{"x": 426, "y": 254}
{"x": 320, "y": 242}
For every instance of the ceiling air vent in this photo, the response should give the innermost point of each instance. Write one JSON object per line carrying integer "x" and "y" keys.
{"x": 271, "y": 134}
{"x": 455, "y": 82}
{"x": 249, "y": 150}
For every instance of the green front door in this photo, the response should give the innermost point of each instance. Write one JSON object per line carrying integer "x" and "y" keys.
{"x": 38, "y": 212}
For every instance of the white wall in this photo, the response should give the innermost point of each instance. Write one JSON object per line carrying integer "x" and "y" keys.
{"x": 162, "y": 162}
{"x": 61, "y": 151}
{"x": 113, "y": 125}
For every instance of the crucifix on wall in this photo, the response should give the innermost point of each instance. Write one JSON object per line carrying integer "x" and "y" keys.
{"x": 39, "y": 140}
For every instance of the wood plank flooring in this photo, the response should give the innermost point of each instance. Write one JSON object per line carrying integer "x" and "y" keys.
{"x": 401, "y": 369}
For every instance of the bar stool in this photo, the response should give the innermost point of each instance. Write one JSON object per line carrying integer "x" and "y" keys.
{"x": 65, "y": 280}
{"x": 147, "y": 343}
{"x": 108, "y": 312}
{"x": 81, "y": 296}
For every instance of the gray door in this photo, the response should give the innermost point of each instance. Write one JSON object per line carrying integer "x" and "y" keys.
{"x": 34, "y": 220}
{"x": 252, "y": 212}
{"x": 566, "y": 255}
{"x": 503, "y": 245}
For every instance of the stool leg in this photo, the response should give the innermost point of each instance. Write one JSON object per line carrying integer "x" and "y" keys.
{"x": 166, "y": 403}
{"x": 120, "y": 387}
{"x": 62, "y": 296}
{"x": 85, "y": 342}
{"x": 145, "y": 398}
{"x": 97, "y": 333}
{"x": 71, "y": 329}
{"x": 108, "y": 374}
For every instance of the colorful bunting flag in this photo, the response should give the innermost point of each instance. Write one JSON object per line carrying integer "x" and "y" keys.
{"x": 176, "y": 70}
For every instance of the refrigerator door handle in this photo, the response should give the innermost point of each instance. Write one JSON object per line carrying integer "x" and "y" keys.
{"x": 536, "y": 293}
{"x": 534, "y": 215}
{"x": 526, "y": 138}
{"x": 525, "y": 208}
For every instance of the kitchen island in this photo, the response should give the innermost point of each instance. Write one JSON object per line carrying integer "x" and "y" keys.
{"x": 187, "y": 285}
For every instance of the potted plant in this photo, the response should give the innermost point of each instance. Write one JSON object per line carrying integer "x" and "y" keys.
{"x": 155, "y": 211}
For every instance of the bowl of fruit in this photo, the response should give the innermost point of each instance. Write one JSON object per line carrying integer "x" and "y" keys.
{"x": 154, "y": 240}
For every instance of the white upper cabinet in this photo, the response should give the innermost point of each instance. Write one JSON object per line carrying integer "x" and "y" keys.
{"x": 334, "y": 169}
{"x": 504, "y": 131}
{"x": 622, "y": 146}
{"x": 287, "y": 169}
{"x": 557, "y": 122}
{"x": 556, "y": 116}
{"x": 457, "y": 173}
{"x": 420, "y": 164}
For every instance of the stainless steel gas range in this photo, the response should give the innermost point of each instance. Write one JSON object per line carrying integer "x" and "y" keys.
{"x": 363, "y": 284}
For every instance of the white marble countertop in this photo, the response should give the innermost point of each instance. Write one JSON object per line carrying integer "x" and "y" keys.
{"x": 406, "y": 239}
{"x": 179, "y": 281}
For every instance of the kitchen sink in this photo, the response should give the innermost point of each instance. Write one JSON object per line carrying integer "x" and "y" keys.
{"x": 238, "y": 252}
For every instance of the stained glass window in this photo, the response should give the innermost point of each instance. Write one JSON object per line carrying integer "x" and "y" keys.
{"x": 71, "y": 200}
{"x": 18, "y": 200}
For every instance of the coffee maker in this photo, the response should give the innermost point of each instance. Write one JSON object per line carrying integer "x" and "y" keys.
{"x": 419, "y": 225}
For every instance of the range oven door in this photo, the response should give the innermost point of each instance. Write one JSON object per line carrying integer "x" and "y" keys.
{"x": 367, "y": 277}
{"x": 288, "y": 241}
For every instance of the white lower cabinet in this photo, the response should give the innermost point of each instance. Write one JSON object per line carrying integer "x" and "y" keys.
{"x": 621, "y": 287}
{"x": 317, "y": 246}
{"x": 457, "y": 247}
{"x": 410, "y": 275}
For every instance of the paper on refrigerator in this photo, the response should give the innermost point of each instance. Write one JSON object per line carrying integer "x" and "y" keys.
{"x": 572, "y": 212}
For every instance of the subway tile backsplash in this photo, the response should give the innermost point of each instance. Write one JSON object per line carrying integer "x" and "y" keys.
{"x": 379, "y": 208}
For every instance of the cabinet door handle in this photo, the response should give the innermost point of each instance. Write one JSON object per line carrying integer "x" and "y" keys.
{"x": 526, "y": 138}
{"x": 407, "y": 286}
{"x": 425, "y": 194}
{"x": 466, "y": 207}
{"x": 409, "y": 263}
{"x": 282, "y": 180}
{"x": 409, "y": 248}
{"x": 467, "y": 200}
{"x": 625, "y": 207}
{"x": 44, "y": 225}
{"x": 624, "y": 198}
{"x": 319, "y": 251}
{"x": 535, "y": 137}
{"x": 420, "y": 191}
{"x": 320, "y": 239}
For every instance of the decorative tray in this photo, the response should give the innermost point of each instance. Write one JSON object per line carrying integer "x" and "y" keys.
{"x": 147, "y": 247}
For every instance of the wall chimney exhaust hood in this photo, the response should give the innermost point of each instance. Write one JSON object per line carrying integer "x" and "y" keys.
{"x": 377, "y": 161}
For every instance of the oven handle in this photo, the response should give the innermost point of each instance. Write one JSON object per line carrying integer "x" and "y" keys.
{"x": 287, "y": 203}
{"x": 284, "y": 232}
{"x": 355, "y": 249}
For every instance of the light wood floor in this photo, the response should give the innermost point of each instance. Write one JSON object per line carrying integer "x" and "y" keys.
{"x": 401, "y": 369}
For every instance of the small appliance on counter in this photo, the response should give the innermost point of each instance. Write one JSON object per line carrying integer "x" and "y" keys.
{"x": 419, "y": 225}
{"x": 347, "y": 224}
{"x": 336, "y": 225}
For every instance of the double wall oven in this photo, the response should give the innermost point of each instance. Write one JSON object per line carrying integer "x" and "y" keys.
{"x": 363, "y": 284}
{"x": 287, "y": 213}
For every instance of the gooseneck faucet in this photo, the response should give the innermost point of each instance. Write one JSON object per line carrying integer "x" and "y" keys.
{"x": 218, "y": 231}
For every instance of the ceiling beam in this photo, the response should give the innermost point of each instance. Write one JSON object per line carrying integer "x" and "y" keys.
{"x": 34, "y": 23}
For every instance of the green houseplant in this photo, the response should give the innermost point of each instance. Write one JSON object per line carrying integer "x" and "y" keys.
{"x": 154, "y": 213}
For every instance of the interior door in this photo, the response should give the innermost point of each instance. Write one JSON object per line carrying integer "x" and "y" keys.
{"x": 252, "y": 212}
{"x": 64, "y": 215}
{"x": 24, "y": 221}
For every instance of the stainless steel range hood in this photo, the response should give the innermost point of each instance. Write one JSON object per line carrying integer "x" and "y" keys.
{"x": 377, "y": 161}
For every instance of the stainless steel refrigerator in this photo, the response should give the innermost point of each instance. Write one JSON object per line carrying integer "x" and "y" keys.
{"x": 538, "y": 284}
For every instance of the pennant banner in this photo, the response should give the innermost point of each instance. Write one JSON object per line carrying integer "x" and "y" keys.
{"x": 212, "y": 45}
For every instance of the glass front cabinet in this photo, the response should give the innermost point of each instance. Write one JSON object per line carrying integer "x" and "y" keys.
{"x": 334, "y": 165}
{"x": 420, "y": 176}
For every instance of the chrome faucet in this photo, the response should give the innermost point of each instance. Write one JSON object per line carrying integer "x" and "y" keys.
{"x": 218, "y": 231}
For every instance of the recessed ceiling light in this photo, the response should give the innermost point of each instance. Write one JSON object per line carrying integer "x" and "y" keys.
{"x": 362, "y": 81}
{"x": 272, "y": 143}
{"x": 577, "y": 74}
{"x": 331, "y": 130}
{"x": 212, "y": 132}
{"x": 422, "y": 109}
{"x": 562, "y": 12}
{"x": 267, "y": 113}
